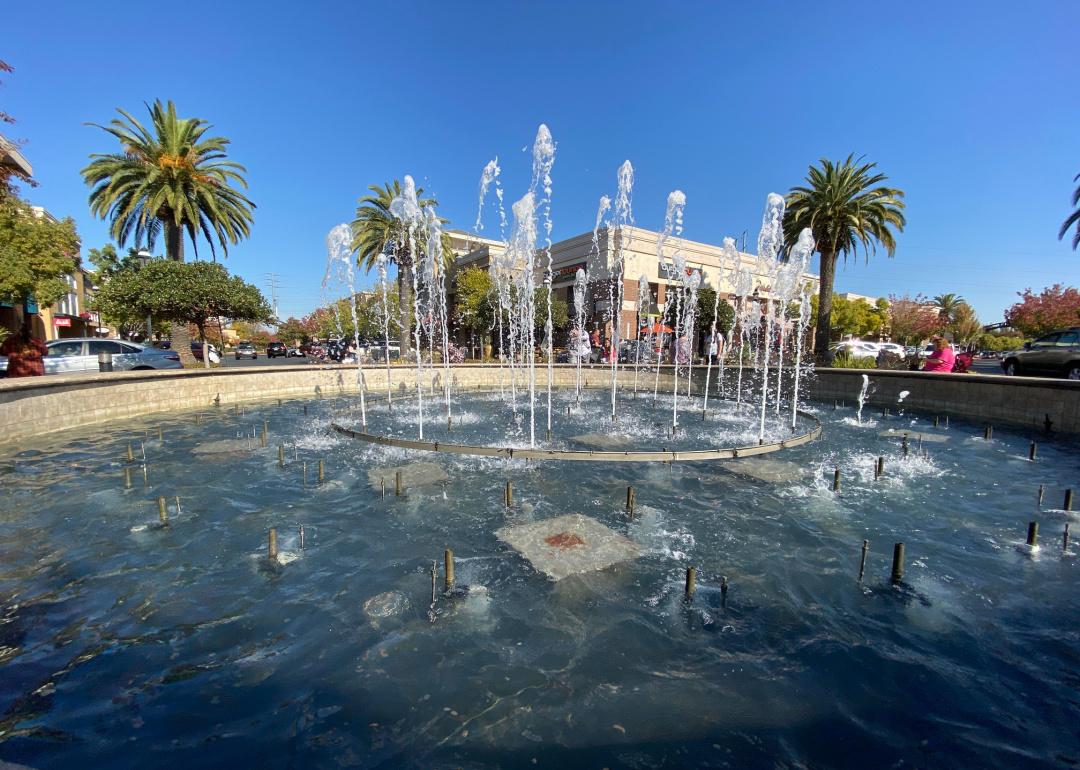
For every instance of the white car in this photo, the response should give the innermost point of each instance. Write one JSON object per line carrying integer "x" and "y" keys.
{"x": 892, "y": 347}
{"x": 856, "y": 349}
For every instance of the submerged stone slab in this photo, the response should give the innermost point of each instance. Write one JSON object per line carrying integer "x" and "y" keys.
{"x": 568, "y": 545}
{"x": 226, "y": 446}
{"x": 913, "y": 436}
{"x": 605, "y": 442}
{"x": 770, "y": 471}
{"x": 412, "y": 475}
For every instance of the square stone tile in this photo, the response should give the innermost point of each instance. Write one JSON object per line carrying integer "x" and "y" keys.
{"x": 568, "y": 545}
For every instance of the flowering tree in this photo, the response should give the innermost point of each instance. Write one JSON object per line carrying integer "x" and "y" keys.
{"x": 1036, "y": 314}
{"x": 912, "y": 319}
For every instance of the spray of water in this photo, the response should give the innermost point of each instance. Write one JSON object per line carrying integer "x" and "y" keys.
{"x": 339, "y": 267}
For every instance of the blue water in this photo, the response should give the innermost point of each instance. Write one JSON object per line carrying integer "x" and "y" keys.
{"x": 128, "y": 645}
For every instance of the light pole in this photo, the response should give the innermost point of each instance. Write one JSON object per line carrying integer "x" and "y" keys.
{"x": 144, "y": 258}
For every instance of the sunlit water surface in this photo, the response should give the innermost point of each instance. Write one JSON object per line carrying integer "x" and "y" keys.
{"x": 127, "y": 645}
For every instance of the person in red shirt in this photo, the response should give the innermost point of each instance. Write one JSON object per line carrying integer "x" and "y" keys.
{"x": 25, "y": 355}
{"x": 942, "y": 359}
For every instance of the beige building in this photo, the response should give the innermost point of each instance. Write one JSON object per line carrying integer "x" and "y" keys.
{"x": 640, "y": 258}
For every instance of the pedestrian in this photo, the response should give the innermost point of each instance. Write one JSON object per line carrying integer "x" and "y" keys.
{"x": 943, "y": 357}
{"x": 25, "y": 354}
{"x": 594, "y": 338}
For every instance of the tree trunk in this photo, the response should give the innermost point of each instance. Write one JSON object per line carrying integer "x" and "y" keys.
{"x": 404, "y": 311}
{"x": 824, "y": 313}
{"x": 179, "y": 336}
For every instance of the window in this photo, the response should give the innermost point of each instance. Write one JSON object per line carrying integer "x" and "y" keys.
{"x": 106, "y": 346}
{"x": 129, "y": 348}
{"x": 1046, "y": 342}
{"x": 1068, "y": 339}
{"x": 65, "y": 349}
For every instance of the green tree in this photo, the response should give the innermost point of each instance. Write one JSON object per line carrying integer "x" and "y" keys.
{"x": 108, "y": 263}
{"x": 725, "y": 313}
{"x": 169, "y": 177}
{"x": 965, "y": 325}
{"x": 560, "y": 316}
{"x": 376, "y": 231}
{"x": 475, "y": 302}
{"x": 292, "y": 331}
{"x": 845, "y": 206}
{"x": 1073, "y": 218}
{"x": 184, "y": 293}
{"x": 947, "y": 305}
{"x": 36, "y": 252}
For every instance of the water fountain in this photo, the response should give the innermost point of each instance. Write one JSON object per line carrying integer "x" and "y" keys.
{"x": 656, "y": 604}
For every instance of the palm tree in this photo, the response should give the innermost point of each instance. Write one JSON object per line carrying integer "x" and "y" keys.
{"x": 1073, "y": 218}
{"x": 376, "y": 231}
{"x": 171, "y": 178}
{"x": 947, "y": 305}
{"x": 845, "y": 205}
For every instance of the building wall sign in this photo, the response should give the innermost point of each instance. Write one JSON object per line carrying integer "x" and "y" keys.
{"x": 61, "y": 321}
{"x": 569, "y": 271}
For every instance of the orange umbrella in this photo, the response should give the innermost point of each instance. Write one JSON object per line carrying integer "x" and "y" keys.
{"x": 657, "y": 329}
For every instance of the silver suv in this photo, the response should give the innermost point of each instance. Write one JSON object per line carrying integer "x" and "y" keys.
{"x": 80, "y": 354}
{"x": 1056, "y": 354}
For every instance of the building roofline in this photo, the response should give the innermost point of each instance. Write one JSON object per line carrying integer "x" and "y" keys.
{"x": 10, "y": 156}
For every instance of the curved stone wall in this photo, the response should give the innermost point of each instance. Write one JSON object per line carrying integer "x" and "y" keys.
{"x": 38, "y": 405}
{"x": 1023, "y": 402}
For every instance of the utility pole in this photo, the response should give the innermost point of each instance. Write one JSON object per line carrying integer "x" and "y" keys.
{"x": 272, "y": 281}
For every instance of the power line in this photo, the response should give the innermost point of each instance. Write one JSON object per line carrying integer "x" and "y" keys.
{"x": 272, "y": 281}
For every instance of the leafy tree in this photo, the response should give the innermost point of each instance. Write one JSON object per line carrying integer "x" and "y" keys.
{"x": 560, "y": 316}
{"x": 108, "y": 263}
{"x": 964, "y": 326}
{"x": 1000, "y": 342}
{"x": 376, "y": 231}
{"x": 184, "y": 292}
{"x": 845, "y": 206}
{"x": 912, "y": 319}
{"x": 10, "y": 174}
{"x": 335, "y": 320}
{"x": 1073, "y": 218}
{"x": 36, "y": 252}
{"x": 292, "y": 331}
{"x": 725, "y": 313}
{"x": 475, "y": 302}
{"x": 1037, "y": 314}
{"x": 853, "y": 317}
{"x": 169, "y": 177}
{"x": 947, "y": 305}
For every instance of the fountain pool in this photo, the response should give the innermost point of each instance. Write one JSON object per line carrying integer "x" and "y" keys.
{"x": 127, "y": 644}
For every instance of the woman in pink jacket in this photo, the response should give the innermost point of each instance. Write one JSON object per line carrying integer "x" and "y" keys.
{"x": 942, "y": 359}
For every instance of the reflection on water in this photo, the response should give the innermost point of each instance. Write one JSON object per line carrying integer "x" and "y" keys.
{"x": 127, "y": 644}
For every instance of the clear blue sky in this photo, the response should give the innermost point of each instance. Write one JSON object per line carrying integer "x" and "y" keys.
{"x": 972, "y": 108}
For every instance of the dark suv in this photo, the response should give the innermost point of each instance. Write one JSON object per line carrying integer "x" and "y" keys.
{"x": 1056, "y": 354}
{"x": 274, "y": 349}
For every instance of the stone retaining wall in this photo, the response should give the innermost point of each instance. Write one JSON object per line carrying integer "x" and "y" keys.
{"x": 36, "y": 405}
{"x": 32, "y": 406}
{"x": 1025, "y": 402}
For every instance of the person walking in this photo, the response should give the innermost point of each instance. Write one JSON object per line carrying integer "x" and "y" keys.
{"x": 25, "y": 354}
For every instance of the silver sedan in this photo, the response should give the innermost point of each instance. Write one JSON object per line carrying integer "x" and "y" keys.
{"x": 80, "y": 354}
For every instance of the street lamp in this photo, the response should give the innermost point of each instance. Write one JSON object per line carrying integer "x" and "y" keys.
{"x": 144, "y": 258}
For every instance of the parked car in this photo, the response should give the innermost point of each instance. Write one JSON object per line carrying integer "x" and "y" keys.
{"x": 196, "y": 350}
{"x": 80, "y": 354}
{"x": 274, "y": 349}
{"x": 246, "y": 350}
{"x": 1056, "y": 354}
{"x": 296, "y": 352}
{"x": 892, "y": 347}
{"x": 377, "y": 353}
{"x": 856, "y": 349}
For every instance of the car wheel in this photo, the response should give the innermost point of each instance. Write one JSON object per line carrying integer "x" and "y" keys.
{"x": 1073, "y": 372}
{"x": 1011, "y": 369}
{"x": 237, "y": 356}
